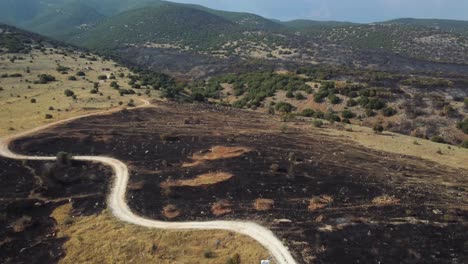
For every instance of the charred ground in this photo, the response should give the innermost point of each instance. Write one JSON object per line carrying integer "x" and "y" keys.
{"x": 331, "y": 201}
{"x": 31, "y": 191}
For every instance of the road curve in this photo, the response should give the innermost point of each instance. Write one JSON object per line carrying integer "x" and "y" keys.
{"x": 118, "y": 205}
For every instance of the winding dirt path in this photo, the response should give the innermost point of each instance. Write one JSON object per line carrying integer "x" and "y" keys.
{"x": 117, "y": 202}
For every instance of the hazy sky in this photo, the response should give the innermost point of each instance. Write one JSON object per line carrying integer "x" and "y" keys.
{"x": 344, "y": 10}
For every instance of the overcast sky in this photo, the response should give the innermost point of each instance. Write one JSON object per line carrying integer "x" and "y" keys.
{"x": 344, "y": 10}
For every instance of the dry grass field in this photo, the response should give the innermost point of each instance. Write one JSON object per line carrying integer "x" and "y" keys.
{"x": 24, "y": 104}
{"x": 103, "y": 239}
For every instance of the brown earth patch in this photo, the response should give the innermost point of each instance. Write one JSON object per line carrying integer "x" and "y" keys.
{"x": 216, "y": 153}
{"x": 385, "y": 200}
{"x": 221, "y": 208}
{"x": 202, "y": 180}
{"x": 171, "y": 211}
{"x": 263, "y": 204}
{"x": 319, "y": 202}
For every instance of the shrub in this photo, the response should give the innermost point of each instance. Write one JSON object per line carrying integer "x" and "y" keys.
{"x": 348, "y": 114}
{"x": 94, "y": 91}
{"x": 69, "y": 93}
{"x": 320, "y": 95}
{"x": 208, "y": 254}
{"x": 289, "y": 94}
{"x": 102, "y": 77}
{"x": 284, "y": 107}
{"x": 464, "y": 144}
{"x": 62, "y": 69}
{"x": 45, "y": 78}
{"x": 437, "y": 139}
{"x": 72, "y": 78}
{"x": 466, "y": 103}
{"x": 378, "y": 128}
{"x": 33, "y": 100}
{"x": 300, "y": 96}
{"x": 334, "y": 99}
{"x": 370, "y": 113}
{"x": 307, "y": 112}
{"x": 389, "y": 111}
{"x": 80, "y": 74}
{"x": 463, "y": 126}
{"x": 351, "y": 103}
{"x": 317, "y": 123}
{"x": 48, "y": 116}
{"x": 235, "y": 259}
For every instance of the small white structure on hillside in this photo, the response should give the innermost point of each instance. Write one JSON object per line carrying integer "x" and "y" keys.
{"x": 265, "y": 262}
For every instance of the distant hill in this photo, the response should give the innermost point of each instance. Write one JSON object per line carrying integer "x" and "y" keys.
{"x": 452, "y": 26}
{"x": 246, "y": 20}
{"x": 64, "y": 21}
{"x": 305, "y": 24}
{"x": 166, "y": 24}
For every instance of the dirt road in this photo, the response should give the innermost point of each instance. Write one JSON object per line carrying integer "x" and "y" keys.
{"x": 117, "y": 202}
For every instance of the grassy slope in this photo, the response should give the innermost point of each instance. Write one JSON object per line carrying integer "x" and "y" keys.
{"x": 64, "y": 21}
{"x": 453, "y": 26}
{"x": 164, "y": 24}
{"x": 18, "y": 113}
{"x": 102, "y": 239}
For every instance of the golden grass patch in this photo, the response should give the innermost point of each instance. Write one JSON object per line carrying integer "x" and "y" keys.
{"x": 385, "y": 200}
{"x": 216, "y": 153}
{"x": 104, "y": 239}
{"x": 202, "y": 180}
{"x": 221, "y": 208}
{"x": 319, "y": 202}
{"x": 263, "y": 204}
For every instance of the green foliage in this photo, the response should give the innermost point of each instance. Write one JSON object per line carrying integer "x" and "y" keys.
{"x": 438, "y": 139}
{"x": 80, "y": 74}
{"x": 307, "y": 112}
{"x": 299, "y": 96}
{"x": 420, "y": 82}
{"x": 235, "y": 259}
{"x": 68, "y": 93}
{"x": 465, "y": 102}
{"x": 378, "y": 128}
{"x": 284, "y": 107}
{"x": 351, "y": 103}
{"x": 71, "y": 78}
{"x": 463, "y": 126}
{"x": 348, "y": 114}
{"x": 389, "y": 111}
{"x": 45, "y": 78}
{"x": 334, "y": 99}
{"x": 464, "y": 144}
{"x": 317, "y": 123}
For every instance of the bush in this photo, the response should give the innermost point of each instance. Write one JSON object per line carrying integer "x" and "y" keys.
{"x": 466, "y": 103}
{"x": 102, "y": 77}
{"x": 320, "y": 95}
{"x": 317, "y": 123}
{"x": 464, "y": 144}
{"x": 300, "y": 96}
{"x": 235, "y": 259}
{"x": 72, "y": 78}
{"x": 389, "y": 111}
{"x": 45, "y": 78}
{"x": 348, "y": 114}
{"x": 94, "y": 91}
{"x": 289, "y": 94}
{"x": 437, "y": 139}
{"x": 69, "y": 93}
{"x": 378, "y": 128}
{"x": 33, "y": 100}
{"x": 308, "y": 112}
{"x": 351, "y": 103}
{"x": 48, "y": 116}
{"x": 284, "y": 107}
{"x": 334, "y": 99}
{"x": 208, "y": 254}
{"x": 463, "y": 126}
{"x": 80, "y": 74}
